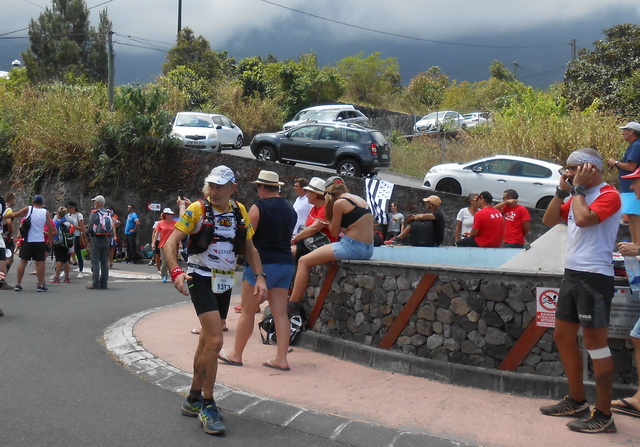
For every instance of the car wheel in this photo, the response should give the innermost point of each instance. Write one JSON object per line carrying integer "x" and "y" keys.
{"x": 543, "y": 203}
{"x": 266, "y": 153}
{"x": 239, "y": 142}
{"x": 449, "y": 185}
{"x": 349, "y": 168}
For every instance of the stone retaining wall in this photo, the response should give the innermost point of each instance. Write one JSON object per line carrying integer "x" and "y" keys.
{"x": 469, "y": 316}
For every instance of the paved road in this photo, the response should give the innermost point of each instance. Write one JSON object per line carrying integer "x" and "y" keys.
{"x": 394, "y": 177}
{"x": 59, "y": 386}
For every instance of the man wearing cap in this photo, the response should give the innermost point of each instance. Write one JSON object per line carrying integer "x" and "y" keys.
{"x": 592, "y": 215}
{"x": 273, "y": 220}
{"x": 301, "y": 204}
{"x": 220, "y": 228}
{"x": 164, "y": 228}
{"x": 316, "y": 220}
{"x": 425, "y": 229}
{"x": 33, "y": 247}
{"x": 629, "y": 162}
{"x": 631, "y": 405}
{"x": 488, "y": 225}
{"x": 100, "y": 243}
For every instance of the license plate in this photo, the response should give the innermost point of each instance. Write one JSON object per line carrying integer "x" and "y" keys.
{"x": 195, "y": 143}
{"x": 384, "y": 156}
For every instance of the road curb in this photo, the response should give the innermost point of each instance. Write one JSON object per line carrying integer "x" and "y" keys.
{"x": 127, "y": 350}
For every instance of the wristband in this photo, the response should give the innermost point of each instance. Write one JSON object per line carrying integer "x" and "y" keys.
{"x": 175, "y": 273}
{"x": 562, "y": 193}
{"x": 578, "y": 191}
{"x": 264, "y": 275}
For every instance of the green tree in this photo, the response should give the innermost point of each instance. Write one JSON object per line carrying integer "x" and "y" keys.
{"x": 196, "y": 54}
{"x": 64, "y": 46}
{"x": 500, "y": 72}
{"x": 370, "y": 79}
{"x": 195, "y": 89}
{"x": 429, "y": 87}
{"x": 601, "y": 75}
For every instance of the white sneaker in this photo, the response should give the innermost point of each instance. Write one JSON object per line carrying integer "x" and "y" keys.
{"x": 80, "y": 275}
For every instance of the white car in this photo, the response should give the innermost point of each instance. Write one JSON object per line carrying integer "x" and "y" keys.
{"x": 305, "y": 114}
{"x": 444, "y": 120}
{"x": 474, "y": 119}
{"x": 229, "y": 134}
{"x": 534, "y": 180}
{"x": 196, "y": 131}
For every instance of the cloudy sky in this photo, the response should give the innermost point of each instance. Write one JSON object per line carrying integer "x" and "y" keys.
{"x": 462, "y": 37}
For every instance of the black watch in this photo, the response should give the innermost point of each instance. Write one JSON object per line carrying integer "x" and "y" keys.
{"x": 263, "y": 274}
{"x": 562, "y": 193}
{"x": 578, "y": 191}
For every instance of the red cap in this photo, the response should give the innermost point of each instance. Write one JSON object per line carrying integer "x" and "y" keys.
{"x": 634, "y": 174}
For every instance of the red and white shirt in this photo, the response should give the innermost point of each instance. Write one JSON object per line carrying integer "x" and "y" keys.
{"x": 589, "y": 249}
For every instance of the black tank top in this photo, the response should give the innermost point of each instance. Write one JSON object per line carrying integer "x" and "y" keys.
{"x": 273, "y": 235}
{"x": 352, "y": 216}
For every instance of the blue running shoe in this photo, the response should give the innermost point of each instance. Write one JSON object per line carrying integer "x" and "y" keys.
{"x": 189, "y": 409}
{"x": 211, "y": 420}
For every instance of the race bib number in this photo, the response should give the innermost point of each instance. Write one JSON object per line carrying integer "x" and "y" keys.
{"x": 222, "y": 282}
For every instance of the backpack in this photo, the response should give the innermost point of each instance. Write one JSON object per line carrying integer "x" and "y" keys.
{"x": 200, "y": 241}
{"x": 267, "y": 326}
{"x": 103, "y": 225}
{"x": 65, "y": 233}
{"x": 25, "y": 225}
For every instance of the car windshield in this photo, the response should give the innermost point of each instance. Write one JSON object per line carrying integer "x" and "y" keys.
{"x": 303, "y": 115}
{"x": 469, "y": 115}
{"x": 193, "y": 121}
{"x": 325, "y": 115}
{"x": 434, "y": 115}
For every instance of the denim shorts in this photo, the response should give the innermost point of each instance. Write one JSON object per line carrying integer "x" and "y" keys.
{"x": 635, "y": 332}
{"x": 348, "y": 248}
{"x": 279, "y": 276}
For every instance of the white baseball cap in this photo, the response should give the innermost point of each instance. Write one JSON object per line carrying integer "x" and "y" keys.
{"x": 221, "y": 175}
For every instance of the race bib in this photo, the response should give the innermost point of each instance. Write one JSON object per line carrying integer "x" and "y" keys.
{"x": 221, "y": 282}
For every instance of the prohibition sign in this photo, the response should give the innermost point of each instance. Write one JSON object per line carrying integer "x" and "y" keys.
{"x": 549, "y": 300}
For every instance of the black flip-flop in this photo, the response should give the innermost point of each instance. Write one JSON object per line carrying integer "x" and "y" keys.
{"x": 223, "y": 358}
{"x": 626, "y": 408}
{"x": 271, "y": 365}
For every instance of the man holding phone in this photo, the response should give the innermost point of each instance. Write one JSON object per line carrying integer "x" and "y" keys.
{"x": 592, "y": 216}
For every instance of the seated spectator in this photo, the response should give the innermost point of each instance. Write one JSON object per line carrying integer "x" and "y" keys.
{"x": 488, "y": 225}
{"x": 517, "y": 220}
{"x": 464, "y": 220}
{"x": 426, "y": 229}
{"x": 395, "y": 221}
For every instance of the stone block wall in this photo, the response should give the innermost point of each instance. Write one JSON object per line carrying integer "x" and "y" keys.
{"x": 470, "y": 317}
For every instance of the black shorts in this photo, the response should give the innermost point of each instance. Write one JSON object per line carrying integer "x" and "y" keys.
{"x": 203, "y": 298}
{"x": 3, "y": 254}
{"x": 33, "y": 250}
{"x": 61, "y": 253}
{"x": 585, "y": 298}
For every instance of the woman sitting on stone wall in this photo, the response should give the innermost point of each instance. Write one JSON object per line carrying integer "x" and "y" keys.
{"x": 347, "y": 213}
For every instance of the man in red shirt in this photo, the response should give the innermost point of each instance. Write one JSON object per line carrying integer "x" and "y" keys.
{"x": 488, "y": 225}
{"x": 516, "y": 219}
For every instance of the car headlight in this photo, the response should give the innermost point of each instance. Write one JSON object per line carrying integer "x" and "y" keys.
{"x": 212, "y": 136}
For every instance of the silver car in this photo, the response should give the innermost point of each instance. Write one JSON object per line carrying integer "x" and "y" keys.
{"x": 442, "y": 121}
{"x": 195, "y": 130}
{"x": 229, "y": 134}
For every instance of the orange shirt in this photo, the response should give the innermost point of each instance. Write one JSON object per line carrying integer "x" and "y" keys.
{"x": 165, "y": 228}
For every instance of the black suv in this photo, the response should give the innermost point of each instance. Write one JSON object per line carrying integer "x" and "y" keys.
{"x": 351, "y": 149}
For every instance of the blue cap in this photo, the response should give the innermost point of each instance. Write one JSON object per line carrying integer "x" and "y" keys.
{"x": 38, "y": 199}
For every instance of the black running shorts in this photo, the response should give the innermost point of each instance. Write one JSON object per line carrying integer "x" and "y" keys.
{"x": 585, "y": 298}
{"x": 203, "y": 298}
{"x": 33, "y": 250}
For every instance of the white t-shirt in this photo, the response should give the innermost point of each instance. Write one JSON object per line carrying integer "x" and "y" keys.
{"x": 465, "y": 216}
{"x": 302, "y": 207}
{"x": 75, "y": 219}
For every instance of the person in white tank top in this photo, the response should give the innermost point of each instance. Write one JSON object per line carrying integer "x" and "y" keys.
{"x": 34, "y": 246}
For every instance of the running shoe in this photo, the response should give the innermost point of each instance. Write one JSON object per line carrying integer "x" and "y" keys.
{"x": 189, "y": 409}
{"x": 596, "y": 422}
{"x": 5, "y": 286}
{"x": 164, "y": 279}
{"x": 390, "y": 241}
{"x": 18, "y": 288}
{"x": 42, "y": 288}
{"x": 66, "y": 279}
{"x": 566, "y": 407}
{"x": 55, "y": 280}
{"x": 80, "y": 275}
{"x": 211, "y": 420}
